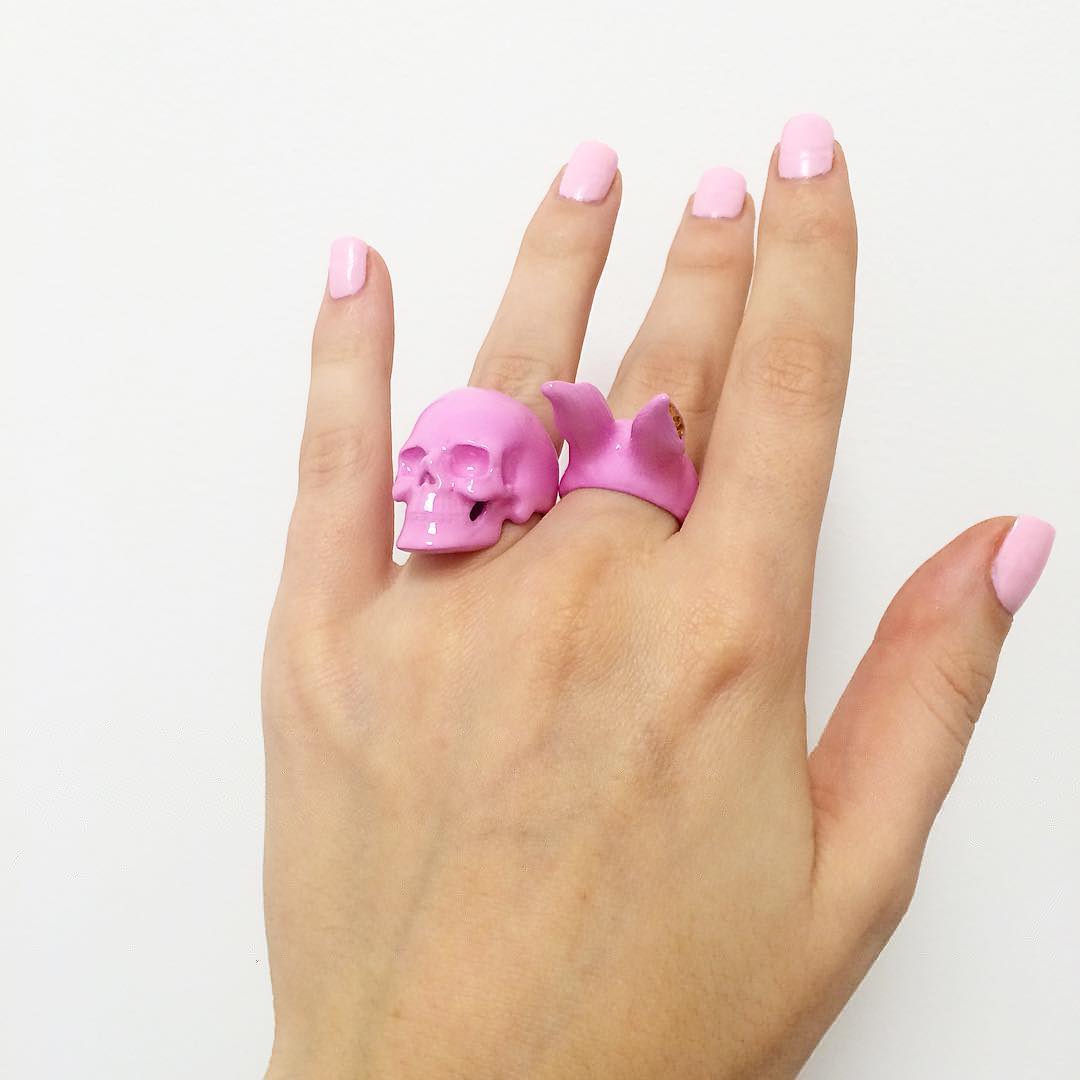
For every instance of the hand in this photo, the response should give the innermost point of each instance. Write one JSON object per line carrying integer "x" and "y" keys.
{"x": 546, "y": 810}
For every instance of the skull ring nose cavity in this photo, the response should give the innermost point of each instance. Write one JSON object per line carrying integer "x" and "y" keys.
{"x": 475, "y": 459}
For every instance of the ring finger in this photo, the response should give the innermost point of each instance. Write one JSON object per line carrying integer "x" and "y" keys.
{"x": 685, "y": 340}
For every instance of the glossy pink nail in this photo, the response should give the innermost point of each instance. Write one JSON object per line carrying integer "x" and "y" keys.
{"x": 806, "y": 147}
{"x": 348, "y": 266}
{"x": 589, "y": 173}
{"x": 720, "y": 193}
{"x": 1020, "y": 561}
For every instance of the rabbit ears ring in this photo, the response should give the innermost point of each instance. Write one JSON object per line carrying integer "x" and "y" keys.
{"x": 477, "y": 458}
{"x": 645, "y": 456}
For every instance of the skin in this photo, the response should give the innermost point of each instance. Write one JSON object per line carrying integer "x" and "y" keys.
{"x": 612, "y": 856}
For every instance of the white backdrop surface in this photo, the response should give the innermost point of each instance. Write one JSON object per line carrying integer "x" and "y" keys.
{"x": 172, "y": 178}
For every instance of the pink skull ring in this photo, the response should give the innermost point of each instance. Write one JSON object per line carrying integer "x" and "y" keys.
{"x": 477, "y": 458}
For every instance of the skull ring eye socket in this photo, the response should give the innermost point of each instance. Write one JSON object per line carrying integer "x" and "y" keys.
{"x": 469, "y": 461}
{"x": 411, "y": 459}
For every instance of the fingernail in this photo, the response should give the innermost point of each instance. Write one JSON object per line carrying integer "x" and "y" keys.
{"x": 348, "y": 266}
{"x": 589, "y": 172}
{"x": 806, "y": 147}
{"x": 720, "y": 193}
{"x": 1020, "y": 561}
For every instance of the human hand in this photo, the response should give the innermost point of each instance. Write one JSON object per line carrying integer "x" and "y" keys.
{"x": 546, "y": 809}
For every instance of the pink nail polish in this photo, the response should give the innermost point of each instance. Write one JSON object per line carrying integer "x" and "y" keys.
{"x": 348, "y": 266}
{"x": 720, "y": 193}
{"x": 806, "y": 147}
{"x": 1020, "y": 561}
{"x": 589, "y": 173}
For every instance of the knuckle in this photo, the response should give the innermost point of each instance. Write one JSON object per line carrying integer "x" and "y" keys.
{"x": 333, "y": 351}
{"x": 318, "y": 703}
{"x": 866, "y": 900}
{"x": 325, "y": 456}
{"x": 731, "y": 633}
{"x": 952, "y": 687}
{"x": 809, "y": 223}
{"x": 303, "y": 691}
{"x": 578, "y": 638}
{"x": 564, "y": 234}
{"x": 891, "y": 901}
{"x": 687, "y": 373}
{"x": 518, "y": 373}
{"x": 798, "y": 370}
{"x": 711, "y": 251}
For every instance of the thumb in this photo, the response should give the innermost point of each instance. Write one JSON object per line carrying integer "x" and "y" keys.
{"x": 892, "y": 748}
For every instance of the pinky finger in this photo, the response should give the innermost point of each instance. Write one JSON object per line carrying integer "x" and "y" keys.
{"x": 341, "y": 534}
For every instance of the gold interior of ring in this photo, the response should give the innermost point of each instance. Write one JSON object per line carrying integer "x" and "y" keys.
{"x": 677, "y": 420}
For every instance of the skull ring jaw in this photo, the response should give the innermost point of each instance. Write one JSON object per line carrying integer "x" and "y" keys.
{"x": 475, "y": 459}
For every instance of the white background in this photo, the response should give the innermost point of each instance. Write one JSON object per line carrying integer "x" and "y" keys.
{"x": 172, "y": 177}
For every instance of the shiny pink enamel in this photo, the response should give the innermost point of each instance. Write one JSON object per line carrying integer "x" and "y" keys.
{"x": 720, "y": 193}
{"x": 589, "y": 173}
{"x": 348, "y": 267}
{"x": 643, "y": 457}
{"x": 1020, "y": 561}
{"x": 806, "y": 147}
{"x": 475, "y": 459}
